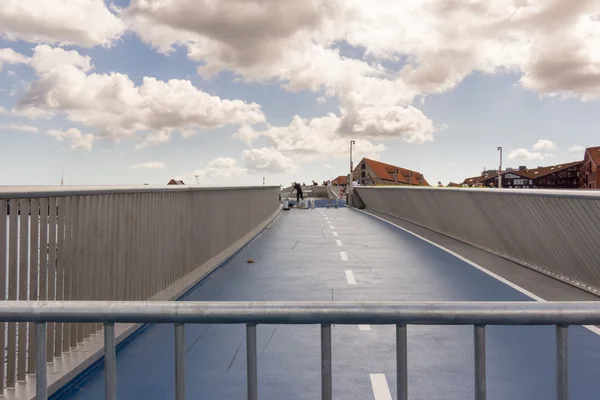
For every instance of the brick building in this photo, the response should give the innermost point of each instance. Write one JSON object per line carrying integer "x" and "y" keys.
{"x": 589, "y": 169}
{"x": 370, "y": 172}
{"x": 560, "y": 176}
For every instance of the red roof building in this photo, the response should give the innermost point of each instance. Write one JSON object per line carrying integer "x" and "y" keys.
{"x": 370, "y": 172}
{"x": 589, "y": 170}
{"x": 560, "y": 176}
{"x": 340, "y": 180}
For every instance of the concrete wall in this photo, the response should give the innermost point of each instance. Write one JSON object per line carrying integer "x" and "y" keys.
{"x": 556, "y": 232}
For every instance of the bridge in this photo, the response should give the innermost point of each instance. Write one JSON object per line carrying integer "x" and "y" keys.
{"x": 420, "y": 293}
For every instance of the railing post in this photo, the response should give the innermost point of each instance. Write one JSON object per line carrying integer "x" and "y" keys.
{"x": 326, "y": 381}
{"x": 480, "y": 383}
{"x": 401, "y": 363}
{"x": 251, "y": 359}
{"x": 41, "y": 383}
{"x": 562, "y": 371}
{"x": 110, "y": 362}
{"x": 179, "y": 362}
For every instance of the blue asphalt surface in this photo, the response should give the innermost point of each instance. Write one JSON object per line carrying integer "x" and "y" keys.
{"x": 297, "y": 258}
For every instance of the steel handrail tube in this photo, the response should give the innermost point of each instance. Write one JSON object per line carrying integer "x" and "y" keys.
{"x": 374, "y": 313}
{"x": 31, "y": 192}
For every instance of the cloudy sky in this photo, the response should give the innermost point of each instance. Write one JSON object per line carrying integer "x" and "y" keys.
{"x": 139, "y": 91}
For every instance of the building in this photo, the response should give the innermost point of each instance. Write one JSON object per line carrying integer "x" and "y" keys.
{"x": 175, "y": 182}
{"x": 561, "y": 176}
{"x": 370, "y": 172}
{"x": 589, "y": 169}
{"x": 340, "y": 180}
{"x": 452, "y": 184}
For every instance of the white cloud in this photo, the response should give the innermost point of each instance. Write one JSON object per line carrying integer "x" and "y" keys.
{"x": 9, "y": 56}
{"x": 18, "y": 127}
{"x": 221, "y": 167}
{"x": 321, "y": 100}
{"x": 553, "y": 45}
{"x": 524, "y": 154}
{"x": 117, "y": 108}
{"x": 148, "y": 165}
{"x": 576, "y": 149}
{"x": 306, "y": 139}
{"x": 85, "y": 23}
{"x": 78, "y": 140}
{"x": 267, "y": 160}
{"x": 544, "y": 144}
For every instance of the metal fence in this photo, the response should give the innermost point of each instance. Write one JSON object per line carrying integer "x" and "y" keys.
{"x": 401, "y": 314}
{"x": 555, "y": 232}
{"x": 124, "y": 243}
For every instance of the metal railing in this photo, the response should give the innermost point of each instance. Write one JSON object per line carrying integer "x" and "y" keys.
{"x": 108, "y": 243}
{"x": 401, "y": 314}
{"x": 554, "y": 232}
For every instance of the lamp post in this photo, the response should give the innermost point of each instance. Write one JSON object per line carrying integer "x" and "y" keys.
{"x": 500, "y": 171}
{"x": 351, "y": 170}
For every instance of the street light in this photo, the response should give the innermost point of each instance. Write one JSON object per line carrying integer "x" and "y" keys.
{"x": 500, "y": 171}
{"x": 351, "y": 170}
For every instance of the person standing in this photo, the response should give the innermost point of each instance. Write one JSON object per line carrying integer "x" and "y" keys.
{"x": 299, "y": 194}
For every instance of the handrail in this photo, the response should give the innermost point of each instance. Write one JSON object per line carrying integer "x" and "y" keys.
{"x": 17, "y": 192}
{"x": 338, "y": 312}
{"x": 560, "y": 193}
{"x": 401, "y": 314}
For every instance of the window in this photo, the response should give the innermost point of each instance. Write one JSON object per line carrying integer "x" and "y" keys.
{"x": 363, "y": 174}
{"x": 363, "y": 166}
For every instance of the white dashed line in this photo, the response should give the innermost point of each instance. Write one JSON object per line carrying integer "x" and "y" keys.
{"x": 364, "y": 327}
{"x": 339, "y": 242}
{"x": 344, "y": 256}
{"x": 381, "y": 391}
{"x": 335, "y": 234}
{"x": 350, "y": 277}
{"x": 331, "y": 226}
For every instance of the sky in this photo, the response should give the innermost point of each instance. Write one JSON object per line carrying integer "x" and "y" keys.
{"x": 228, "y": 92}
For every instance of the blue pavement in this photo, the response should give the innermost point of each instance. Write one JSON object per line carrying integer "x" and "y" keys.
{"x": 298, "y": 258}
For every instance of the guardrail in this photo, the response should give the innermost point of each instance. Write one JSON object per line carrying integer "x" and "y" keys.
{"x": 108, "y": 243}
{"x": 401, "y": 314}
{"x": 554, "y": 232}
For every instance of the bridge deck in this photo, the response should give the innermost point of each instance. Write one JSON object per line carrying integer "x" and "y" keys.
{"x": 307, "y": 255}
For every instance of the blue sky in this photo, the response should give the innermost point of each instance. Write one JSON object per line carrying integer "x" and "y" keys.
{"x": 369, "y": 82}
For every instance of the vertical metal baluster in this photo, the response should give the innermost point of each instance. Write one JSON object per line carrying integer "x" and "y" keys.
{"x": 251, "y": 359}
{"x": 53, "y": 330}
{"x": 13, "y": 249}
{"x": 3, "y": 273}
{"x": 34, "y": 270}
{"x": 562, "y": 367}
{"x": 179, "y": 362}
{"x": 110, "y": 362}
{"x": 70, "y": 263}
{"x": 326, "y": 381}
{"x": 43, "y": 284}
{"x": 23, "y": 269}
{"x": 41, "y": 380}
{"x": 401, "y": 363}
{"x": 480, "y": 383}
{"x": 81, "y": 267}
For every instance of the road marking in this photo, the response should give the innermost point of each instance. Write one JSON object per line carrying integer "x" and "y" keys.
{"x": 479, "y": 267}
{"x": 344, "y": 256}
{"x": 350, "y": 277}
{"x": 339, "y": 242}
{"x": 335, "y": 234}
{"x": 331, "y": 226}
{"x": 364, "y": 327}
{"x": 381, "y": 390}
